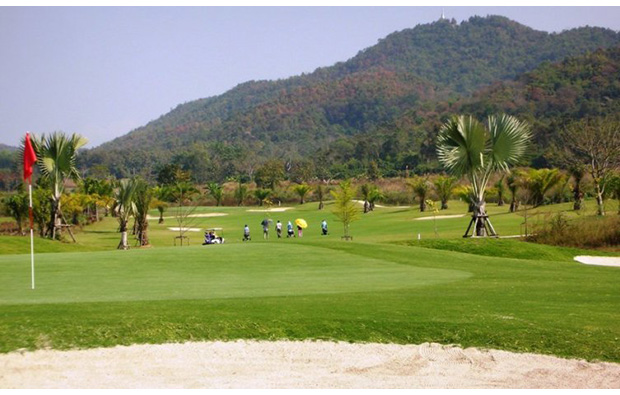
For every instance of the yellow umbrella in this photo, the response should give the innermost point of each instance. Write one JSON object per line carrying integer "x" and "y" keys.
{"x": 301, "y": 223}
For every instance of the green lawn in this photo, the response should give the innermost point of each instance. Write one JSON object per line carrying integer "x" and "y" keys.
{"x": 385, "y": 286}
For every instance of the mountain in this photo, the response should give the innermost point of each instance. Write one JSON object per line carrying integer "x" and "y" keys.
{"x": 396, "y": 90}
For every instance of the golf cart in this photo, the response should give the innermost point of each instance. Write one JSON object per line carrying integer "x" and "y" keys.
{"x": 212, "y": 238}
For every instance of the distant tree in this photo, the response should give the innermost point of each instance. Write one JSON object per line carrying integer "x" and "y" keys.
{"x": 143, "y": 197}
{"x": 56, "y": 158}
{"x": 365, "y": 191}
{"x": 124, "y": 207}
{"x": 167, "y": 174}
{"x": 262, "y": 195}
{"x": 466, "y": 148}
{"x": 241, "y": 192}
{"x": 320, "y": 193}
{"x": 444, "y": 186}
{"x": 540, "y": 182}
{"x": 301, "y": 190}
{"x": 594, "y": 143}
{"x": 301, "y": 171}
{"x": 269, "y": 174}
{"x": 613, "y": 183}
{"x": 344, "y": 207}
{"x": 216, "y": 191}
{"x": 374, "y": 196}
{"x": 501, "y": 190}
{"x": 420, "y": 187}
{"x": 17, "y": 207}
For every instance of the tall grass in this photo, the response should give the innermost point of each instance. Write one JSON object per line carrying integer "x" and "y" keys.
{"x": 584, "y": 232}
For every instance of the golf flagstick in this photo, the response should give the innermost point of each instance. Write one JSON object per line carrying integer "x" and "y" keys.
{"x": 30, "y": 159}
{"x": 31, "y": 234}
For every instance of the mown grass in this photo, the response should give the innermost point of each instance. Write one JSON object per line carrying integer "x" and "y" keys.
{"x": 525, "y": 297}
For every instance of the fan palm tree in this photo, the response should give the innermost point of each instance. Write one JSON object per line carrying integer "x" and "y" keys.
{"x": 56, "y": 158}
{"x": 466, "y": 148}
{"x": 302, "y": 190}
{"x": 125, "y": 207}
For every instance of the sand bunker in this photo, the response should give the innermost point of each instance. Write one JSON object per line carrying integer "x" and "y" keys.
{"x": 599, "y": 260}
{"x": 439, "y": 217}
{"x": 205, "y": 215}
{"x": 270, "y": 210}
{"x": 185, "y": 229}
{"x": 284, "y": 364}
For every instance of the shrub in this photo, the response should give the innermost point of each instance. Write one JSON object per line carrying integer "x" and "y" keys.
{"x": 584, "y": 232}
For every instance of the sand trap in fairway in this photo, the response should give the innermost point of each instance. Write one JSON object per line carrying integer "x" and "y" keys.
{"x": 284, "y": 364}
{"x": 439, "y": 217}
{"x": 270, "y": 210}
{"x": 186, "y": 229}
{"x": 205, "y": 215}
{"x": 599, "y": 260}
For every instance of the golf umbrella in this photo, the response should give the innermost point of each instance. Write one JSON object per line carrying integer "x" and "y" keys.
{"x": 301, "y": 223}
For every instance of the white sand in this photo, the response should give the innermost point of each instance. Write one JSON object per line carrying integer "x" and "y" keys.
{"x": 269, "y": 210}
{"x": 599, "y": 260}
{"x": 284, "y": 364}
{"x": 204, "y": 215}
{"x": 439, "y": 217}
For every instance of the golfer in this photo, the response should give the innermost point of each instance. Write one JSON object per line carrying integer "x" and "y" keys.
{"x": 279, "y": 229}
{"x": 265, "y": 224}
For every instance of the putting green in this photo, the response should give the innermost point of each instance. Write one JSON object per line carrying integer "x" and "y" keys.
{"x": 224, "y": 271}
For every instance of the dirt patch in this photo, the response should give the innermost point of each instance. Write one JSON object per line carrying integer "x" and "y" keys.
{"x": 284, "y": 364}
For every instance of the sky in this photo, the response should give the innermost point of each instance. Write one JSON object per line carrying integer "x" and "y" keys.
{"x": 104, "y": 71}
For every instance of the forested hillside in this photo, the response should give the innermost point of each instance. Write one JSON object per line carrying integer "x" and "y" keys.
{"x": 380, "y": 109}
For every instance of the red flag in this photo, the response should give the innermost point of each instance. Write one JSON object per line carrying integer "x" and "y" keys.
{"x": 29, "y": 157}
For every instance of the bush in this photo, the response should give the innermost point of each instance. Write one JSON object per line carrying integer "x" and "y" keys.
{"x": 586, "y": 232}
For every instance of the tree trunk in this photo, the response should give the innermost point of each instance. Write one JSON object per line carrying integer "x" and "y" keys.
{"x": 321, "y": 205}
{"x": 123, "y": 245}
{"x": 480, "y": 212}
{"x": 444, "y": 204}
{"x": 365, "y": 206}
{"x": 422, "y": 205}
{"x": 600, "y": 203}
{"x": 578, "y": 196}
{"x": 514, "y": 205}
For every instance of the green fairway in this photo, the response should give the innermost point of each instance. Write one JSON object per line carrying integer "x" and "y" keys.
{"x": 384, "y": 286}
{"x": 226, "y": 271}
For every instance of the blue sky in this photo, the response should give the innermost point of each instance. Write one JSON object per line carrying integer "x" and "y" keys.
{"x": 103, "y": 71}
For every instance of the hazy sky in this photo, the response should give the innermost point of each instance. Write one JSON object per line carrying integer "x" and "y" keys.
{"x": 102, "y": 72}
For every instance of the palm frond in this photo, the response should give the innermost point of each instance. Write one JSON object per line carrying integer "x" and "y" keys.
{"x": 509, "y": 140}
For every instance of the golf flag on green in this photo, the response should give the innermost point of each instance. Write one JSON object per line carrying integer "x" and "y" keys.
{"x": 30, "y": 158}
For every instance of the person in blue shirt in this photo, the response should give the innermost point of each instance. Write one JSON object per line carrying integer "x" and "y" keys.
{"x": 324, "y": 228}
{"x": 289, "y": 230}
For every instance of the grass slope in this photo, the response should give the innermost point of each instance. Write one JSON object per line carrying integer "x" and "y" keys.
{"x": 371, "y": 289}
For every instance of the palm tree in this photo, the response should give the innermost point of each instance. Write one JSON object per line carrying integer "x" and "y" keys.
{"x": 124, "y": 207}
{"x": 374, "y": 195}
{"x": 501, "y": 190}
{"x": 56, "y": 157}
{"x": 540, "y": 181}
{"x": 261, "y": 195}
{"x": 420, "y": 187}
{"x": 302, "y": 190}
{"x": 466, "y": 148}
{"x": 444, "y": 186}
{"x": 142, "y": 198}
{"x": 365, "y": 191}
{"x": 320, "y": 192}
{"x": 215, "y": 190}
